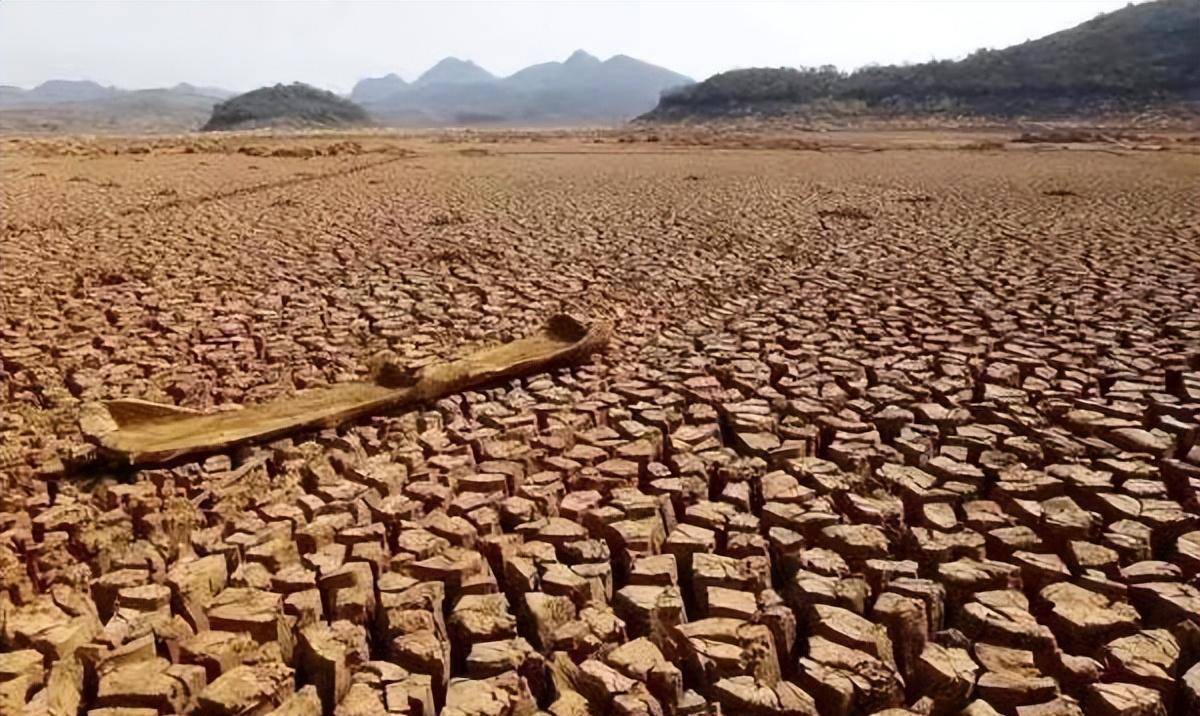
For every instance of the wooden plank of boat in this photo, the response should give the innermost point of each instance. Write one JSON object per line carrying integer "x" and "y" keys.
{"x": 137, "y": 432}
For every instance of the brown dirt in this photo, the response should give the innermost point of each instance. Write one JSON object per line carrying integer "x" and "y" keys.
{"x": 900, "y": 420}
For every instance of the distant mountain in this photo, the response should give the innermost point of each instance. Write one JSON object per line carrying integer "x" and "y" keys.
{"x": 450, "y": 103}
{"x": 74, "y": 91}
{"x": 1133, "y": 57}
{"x": 70, "y": 91}
{"x": 55, "y": 91}
{"x": 579, "y": 90}
{"x": 294, "y": 105}
{"x": 548, "y": 73}
{"x": 183, "y": 88}
{"x": 10, "y": 94}
{"x": 374, "y": 89}
{"x": 454, "y": 71}
{"x": 70, "y": 106}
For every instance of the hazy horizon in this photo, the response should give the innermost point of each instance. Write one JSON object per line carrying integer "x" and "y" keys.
{"x": 240, "y": 46}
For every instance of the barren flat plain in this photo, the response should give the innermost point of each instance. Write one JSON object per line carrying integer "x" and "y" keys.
{"x": 890, "y": 424}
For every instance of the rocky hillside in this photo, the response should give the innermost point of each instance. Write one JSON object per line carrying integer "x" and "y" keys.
{"x": 1139, "y": 55}
{"x": 297, "y": 104}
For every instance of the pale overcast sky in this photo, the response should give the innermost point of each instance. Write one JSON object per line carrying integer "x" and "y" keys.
{"x": 242, "y": 45}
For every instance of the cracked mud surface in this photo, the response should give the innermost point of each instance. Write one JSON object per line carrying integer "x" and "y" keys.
{"x": 904, "y": 431}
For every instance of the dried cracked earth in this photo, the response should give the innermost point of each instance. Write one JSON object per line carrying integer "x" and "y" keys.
{"x": 909, "y": 431}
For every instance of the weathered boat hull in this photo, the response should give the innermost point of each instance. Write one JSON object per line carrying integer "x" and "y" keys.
{"x": 137, "y": 432}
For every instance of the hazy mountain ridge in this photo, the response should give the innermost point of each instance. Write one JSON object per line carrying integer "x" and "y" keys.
{"x": 63, "y": 91}
{"x": 580, "y": 90}
{"x": 452, "y": 70}
{"x": 374, "y": 89}
{"x": 1136, "y": 56}
{"x": 85, "y": 106}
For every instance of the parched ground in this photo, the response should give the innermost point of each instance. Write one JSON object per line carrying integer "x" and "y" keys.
{"x": 889, "y": 425}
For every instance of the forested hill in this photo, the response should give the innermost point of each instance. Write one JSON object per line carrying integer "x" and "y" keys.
{"x": 1139, "y": 55}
